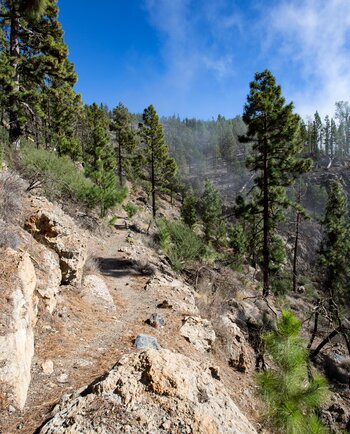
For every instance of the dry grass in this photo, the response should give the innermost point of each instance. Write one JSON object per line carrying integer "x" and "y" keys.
{"x": 11, "y": 197}
{"x": 92, "y": 266}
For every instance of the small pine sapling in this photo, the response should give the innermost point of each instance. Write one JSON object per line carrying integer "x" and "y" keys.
{"x": 290, "y": 397}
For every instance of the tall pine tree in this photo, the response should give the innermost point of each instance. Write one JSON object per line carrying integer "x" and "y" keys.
{"x": 126, "y": 140}
{"x": 100, "y": 160}
{"x": 36, "y": 58}
{"x": 160, "y": 166}
{"x": 335, "y": 247}
{"x": 274, "y": 131}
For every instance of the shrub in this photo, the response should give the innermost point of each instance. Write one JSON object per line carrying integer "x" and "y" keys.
{"x": 131, "y": 209}
{"x": 180, "y": 243}
{"x": 61, "y": 179}
{"x": 58, "y": 176}
{"x": 238, "y": 241}
{"x": 281, "y": 284}
{"x": 290, "y": 397}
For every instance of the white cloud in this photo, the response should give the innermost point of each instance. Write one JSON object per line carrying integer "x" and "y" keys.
{"x": 193, "y": 39}
{"x": 314, "y": 35}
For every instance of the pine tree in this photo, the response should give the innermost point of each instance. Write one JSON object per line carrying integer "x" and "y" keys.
{"x": 290, "y": 397}
{"x": 238, "y": 242}
{"x": 189, "y": 208}
{"x": 211, "y": 210}
{"x": 342, "y": 113}
{"x": 126, "y": 140}
{"x": 160, "y": 166}
{"x": 274, "y": 130}
{"x": 327, "y": 135}
{"x": 100, "y": 160}
{"x": 333, "y": 138}
{"x": 317, "y": 134}
{"x": 335, "y": 247}
{"x": 37, "y": 58}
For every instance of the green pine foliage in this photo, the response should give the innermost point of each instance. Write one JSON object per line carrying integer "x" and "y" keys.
{"x": 211, "y": 212}
{"x": 335, "y": 247}
{"x": 189, "y": 208}
{"x": 179, "y": 243}
{"x": 160, "y": 167}
{"x": 291, "y": 399}
{"x": 126, "y": 139}
{"x": 274, "y": 131}
{"x": 100, "y": 161}
{"x": 238, "y": 241}
{"x": 36, "y": 71}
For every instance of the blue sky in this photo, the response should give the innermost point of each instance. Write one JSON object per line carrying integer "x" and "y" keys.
{"x": 195, "y": 58}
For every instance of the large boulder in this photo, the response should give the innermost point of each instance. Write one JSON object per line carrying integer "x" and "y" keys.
{"x": 153, "y": 391}
{"x": 17, "y": 320}
{"x": 49, "y": 225}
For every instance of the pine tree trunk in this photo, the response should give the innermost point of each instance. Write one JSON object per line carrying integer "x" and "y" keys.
{"x": 153, "y": 186}
{"x": 295, "y": 254}
{"x": 120, "y": 165}
{"x": 15, "y": 128}
{"x": 266, "y": 223}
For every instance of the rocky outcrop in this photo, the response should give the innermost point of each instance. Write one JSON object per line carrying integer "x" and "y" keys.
{"x": 181, "y": 297}
{"x": 239, "y": 353}
{"x": 153, "y": 391}
{"x": 17, "y": 320}
{"x": 199, "y": 332}
{"x": 49, "y": 225}
{"x": 47, "y": 270}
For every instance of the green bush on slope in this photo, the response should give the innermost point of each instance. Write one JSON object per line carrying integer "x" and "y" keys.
{"x": 290, "y": 397}
{"x": 179, "y": 243}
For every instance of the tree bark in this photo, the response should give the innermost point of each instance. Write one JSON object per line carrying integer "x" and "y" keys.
{"x": 266, "y": 223}
{"x": 120, "y": 165}
{"x": 153, "y": 182}
{"x": 295, "y": 253}
{"x": 15, "y": 127}
{"x": 327, "y": 339}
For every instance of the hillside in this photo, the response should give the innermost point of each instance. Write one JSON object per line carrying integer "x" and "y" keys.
{"x": 84, "y": 373}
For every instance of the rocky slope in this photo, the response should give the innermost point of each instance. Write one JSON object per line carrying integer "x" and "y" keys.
{"x": 65, "y": 327}
{"x": 125, "y": 346}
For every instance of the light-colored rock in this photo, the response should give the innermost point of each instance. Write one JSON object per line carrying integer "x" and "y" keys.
{"x": 145, "y": 342}
{"x": 154, "y": 391}
{"x": 95, "y": 291}
{"x": 199, "y": 332}
{"x": 46, "y": 264}
{"x": 47, "y": 367}
{"x": 180, "y": 296}
{"x": 239, "y": 353}
{"x": 49, "y": 276}
{"x": 49, "y": 225}
{"x": 18, "y": 316}
{"x": 63, "y": 378}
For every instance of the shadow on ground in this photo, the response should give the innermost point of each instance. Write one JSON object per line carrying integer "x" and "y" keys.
{"x": 117, "y": 267}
